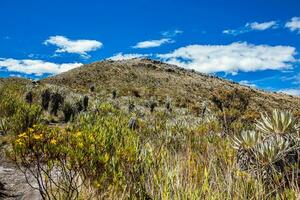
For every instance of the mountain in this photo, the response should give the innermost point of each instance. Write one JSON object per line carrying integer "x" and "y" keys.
{"x": 146, "y": 78}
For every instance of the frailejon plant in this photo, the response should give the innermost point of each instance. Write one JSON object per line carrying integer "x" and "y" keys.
{"x": 69, "y": 111}
{"x": 152, "y": 104}
{"x": 56, "y": 102}
{"x": 29, "y": 97}
{"x": 168, "y": 104}
{"x": 85, "y": 103}
{"x": 271, "y": 153}
{"x": 46, "y": 95}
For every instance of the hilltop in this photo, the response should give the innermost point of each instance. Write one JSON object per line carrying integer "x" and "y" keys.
{"x": 146, "y": 78}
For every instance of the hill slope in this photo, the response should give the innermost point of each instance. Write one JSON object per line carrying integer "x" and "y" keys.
{"x": 146, "y": 78}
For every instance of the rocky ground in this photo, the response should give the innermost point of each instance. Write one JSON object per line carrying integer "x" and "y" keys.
{"x": 13, "y": 185}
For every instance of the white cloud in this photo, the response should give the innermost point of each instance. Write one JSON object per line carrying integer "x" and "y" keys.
{"x": 121, "y": 56}
{"x": 80, "y": 47}
{"x": 15, "y": 75}
{"x": 152, "y": 43}
{"x": 37, "y": 67}
{"x": 294, "y": 92}
{"x": 232, "y": 58}
{"x": 262, "y": 26}
{"x": 293, "y": 24}
{"x": 247, "y": 83}
{"x": 171, "y": 33}
{"x": 254, "y": 26}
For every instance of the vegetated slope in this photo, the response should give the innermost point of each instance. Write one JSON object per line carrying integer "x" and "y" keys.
{"x": 146, "y": 78}
{"x": 14, "y": 80}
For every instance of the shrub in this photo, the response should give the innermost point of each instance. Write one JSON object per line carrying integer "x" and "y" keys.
{"x": 104, "y": 156}
{"x": 17, "y": 115}
{"x": 229, "y": 106}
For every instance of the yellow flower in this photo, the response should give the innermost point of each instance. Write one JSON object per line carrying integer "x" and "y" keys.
{"x": 53, "y": 141}
{"x": 19, "y": 141}
{"x": 91, "y": 138}
{"x": 80, "y": 144}
{"x": 106, "y": 157}
{"x": 30, "y": 129}
{"x": 78, "y": 134}
{"x": 38, "y": 136}
{"x": 23, "y": 135}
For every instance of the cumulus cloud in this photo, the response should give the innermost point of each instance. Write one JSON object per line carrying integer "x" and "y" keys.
{"x": 152, "y": 43}
{"x": 121, "y": 56}
{"x": 232, "y": 58}
{"x": 254, "y": 26}
{"x": 293, "y": 24}
{"x": 37, "y": 67}
{"x": 80, "y": 47}
{"x": 292, "y": 91}
{"x": 262, "y": 26}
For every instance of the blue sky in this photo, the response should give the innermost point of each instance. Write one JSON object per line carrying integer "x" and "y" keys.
{"x": 252, "y": 42}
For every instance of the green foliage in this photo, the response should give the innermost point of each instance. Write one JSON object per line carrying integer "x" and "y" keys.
{"x": 229, "y": 106}
{"x": 278, "y": 123}
{"x": 271, "y": 152}
{"x": 16, "y": 115}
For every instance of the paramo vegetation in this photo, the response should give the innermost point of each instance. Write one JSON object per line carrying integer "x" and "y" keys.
{"x": 107, "y": 146}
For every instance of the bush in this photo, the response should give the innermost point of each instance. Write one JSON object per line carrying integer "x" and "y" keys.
{"x": 16, "y": 115}
{"x": 104, "y": 155}
{"x": 229, "y": 107}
